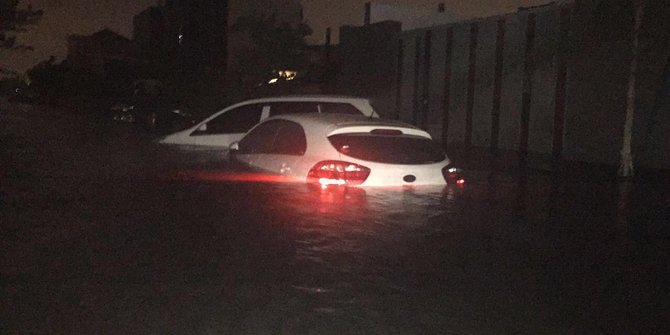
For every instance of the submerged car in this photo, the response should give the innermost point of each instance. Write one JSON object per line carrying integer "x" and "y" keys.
{"x": 351, "y": 150}
{"x": 230, "y": 124}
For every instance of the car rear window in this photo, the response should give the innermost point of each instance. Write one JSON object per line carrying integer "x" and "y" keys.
{"x": 391, "y": 149}
{"x": 338, "y": 108}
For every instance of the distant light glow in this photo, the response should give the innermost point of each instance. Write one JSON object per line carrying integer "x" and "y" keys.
{"x": 284, "y": 75}
{"x": 287, "y": 74}
{"x": 225, "y": 176}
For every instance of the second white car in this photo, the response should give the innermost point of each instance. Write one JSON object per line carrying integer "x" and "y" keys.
{"x": 230, "y": 124}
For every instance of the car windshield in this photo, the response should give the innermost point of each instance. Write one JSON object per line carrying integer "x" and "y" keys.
{"x": 391, "y": 149}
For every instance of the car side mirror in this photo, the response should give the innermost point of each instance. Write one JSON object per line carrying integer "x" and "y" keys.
{"x": 233, "y": 150}
{"x": 202, "y": 128}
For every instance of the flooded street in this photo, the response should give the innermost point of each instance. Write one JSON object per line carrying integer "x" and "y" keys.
{"x": 105, "y": 232}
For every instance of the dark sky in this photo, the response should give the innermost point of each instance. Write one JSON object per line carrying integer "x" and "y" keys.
{"x": 64, "y": 17}
{"x": 334, "y": 13}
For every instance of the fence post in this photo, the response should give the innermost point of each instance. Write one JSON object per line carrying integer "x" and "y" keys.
{"x": 447, "y": 86}
{"x": 561, "y": 81}
{"x": 472, "y": 77}
{"x": 398, "y": 93}
{"x": 626, "y": 166}
{"x": 497, "y": 86}
{"x": 425, "y": 104}
{"x": 417, "y": 72}
{"x": 527, "y": 89}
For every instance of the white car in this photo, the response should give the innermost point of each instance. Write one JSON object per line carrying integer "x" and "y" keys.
{"x": 352, "y": 150}
{"x": 230, "y": 124}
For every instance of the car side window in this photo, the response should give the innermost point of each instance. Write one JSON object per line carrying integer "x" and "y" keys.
{"x": 293, "y": 107}
{"x": 338, "y": 108}
{"x": 238, "y": 120}
{"x": 290, "y": 139}
{"x": 279, "y": 137}
{"x": 261, "y": 139}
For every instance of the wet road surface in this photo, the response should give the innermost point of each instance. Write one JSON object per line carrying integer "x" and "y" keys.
{"x": 105, "y": 232}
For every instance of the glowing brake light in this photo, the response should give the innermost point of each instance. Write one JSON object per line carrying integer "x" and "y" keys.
{"x": 340, "y": 173}
{"x": 452, "y": 175}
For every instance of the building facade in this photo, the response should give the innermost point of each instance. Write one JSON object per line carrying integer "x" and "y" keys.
{"x": 197, "y": 34}
{"x": 184, "y": 35}
{"x": 101, "y": 53}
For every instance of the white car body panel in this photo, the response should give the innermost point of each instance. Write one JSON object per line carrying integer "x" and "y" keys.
{"x": 286, "y": 165}
{"x": 191, "y": 137}
{"x": 217, "y": 140}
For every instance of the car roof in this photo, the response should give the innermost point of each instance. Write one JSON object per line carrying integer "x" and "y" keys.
{"x": 306, "y": 97}
{"x": 334, "y": 123}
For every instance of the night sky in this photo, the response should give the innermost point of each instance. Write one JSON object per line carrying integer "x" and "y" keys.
{"x": 64, "y": 17}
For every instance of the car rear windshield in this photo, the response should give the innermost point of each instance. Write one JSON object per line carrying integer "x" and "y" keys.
{"x": 338, "y": 108}
{"x": 391, "y": 149}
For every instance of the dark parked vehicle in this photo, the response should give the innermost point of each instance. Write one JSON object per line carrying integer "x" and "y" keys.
{"x": 155, "y": 114}
{"x": 24, "y": 94}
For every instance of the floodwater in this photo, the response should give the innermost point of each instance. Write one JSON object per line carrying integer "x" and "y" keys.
{"x": 105, "y": 232}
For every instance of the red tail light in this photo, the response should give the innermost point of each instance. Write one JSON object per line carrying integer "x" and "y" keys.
{"x": 452, "y": 175}
{"x": 338, "y": 173}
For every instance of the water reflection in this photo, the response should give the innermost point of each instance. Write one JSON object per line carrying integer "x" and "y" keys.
{"x": 531, "y": 247}
{"x": 350, "y": 244}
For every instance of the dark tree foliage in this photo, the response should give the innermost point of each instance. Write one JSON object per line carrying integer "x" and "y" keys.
{"x": 276, "y": 45}
{"x": 14, "y": 20}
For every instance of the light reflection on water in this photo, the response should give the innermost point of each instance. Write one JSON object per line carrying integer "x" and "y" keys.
{"x": 347, "y": 241}
{"x": 382, "y": 254}
{"x": 350, "y": 245}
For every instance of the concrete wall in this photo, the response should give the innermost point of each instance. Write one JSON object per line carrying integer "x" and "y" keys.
{"x": 513, "y": 67}
{"x": 472, "y": 78}
{"x": 576, "y": 117}
{"x": 652, "y": 120}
